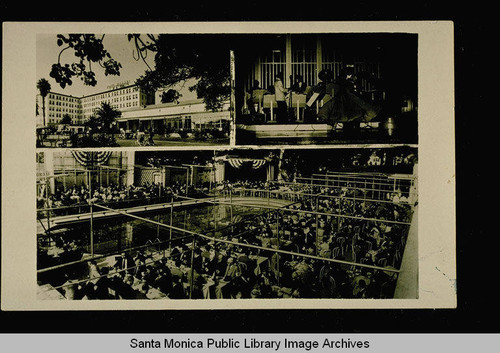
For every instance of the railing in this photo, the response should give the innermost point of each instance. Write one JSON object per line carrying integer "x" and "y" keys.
{"x": 82, "y": 208}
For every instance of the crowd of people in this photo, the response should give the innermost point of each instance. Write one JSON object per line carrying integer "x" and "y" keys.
{"x": 247, "y": 264}
{"x": 81, "y": 195}
{"x": 224, "y": 271}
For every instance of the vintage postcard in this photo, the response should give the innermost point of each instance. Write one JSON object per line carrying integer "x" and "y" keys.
{"x": 269, "y": 165}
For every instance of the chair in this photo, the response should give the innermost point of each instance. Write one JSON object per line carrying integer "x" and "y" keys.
{"x": 270, "y": 102}
{"x": 355, "y": 250}
{"x": 397, "y": 258}
{"x": 403, "y": 242}
{"x": 340, "y": 242}
{"x": 258, "y": 97}
{"x": 298, "y": 103}
{"x": 382, "y": 262}
{"x": 335, "y": 252}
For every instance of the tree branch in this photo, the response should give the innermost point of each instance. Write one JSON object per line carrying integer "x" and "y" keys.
{"x": 59, "y": 57}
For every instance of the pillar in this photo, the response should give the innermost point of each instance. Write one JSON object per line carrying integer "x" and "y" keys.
{"x": 407, "y": 284}
{"x": 288, "y": 61}
{"x": 270, "y": 171}
{"x": 257, "y": 73}
{"x": 413, "y": 197}
{"x": 232, "y": 102}
{"x": 130, "y": 168}
{"x": 220, "y": 171}
{"x": 319, "y": 57}
{"x": 49, "y": 169}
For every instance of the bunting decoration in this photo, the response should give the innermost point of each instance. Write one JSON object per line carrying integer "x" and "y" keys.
{"x": 238, "y": 162}
{"x": 90, "y": 159}
{"x": 258, "y": 163}
{"x": 235, "y": 163}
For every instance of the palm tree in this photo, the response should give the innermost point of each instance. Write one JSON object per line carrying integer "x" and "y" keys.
{"x": 44, "y": 87}
{"x": 104, "y": 120}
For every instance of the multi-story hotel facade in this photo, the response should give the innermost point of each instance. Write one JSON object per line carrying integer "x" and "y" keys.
{"x": 80, "y": 109}
{"x": 121, "y": 98}
{"x": 139, "y": 111}
{"x": 57, "y": 105}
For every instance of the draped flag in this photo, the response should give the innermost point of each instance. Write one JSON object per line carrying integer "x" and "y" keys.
{"x": 235, "y": 163}
{"x": 238, "y": 162}
{"x": 89, "y": 159}
{"x": 256, "y": 164}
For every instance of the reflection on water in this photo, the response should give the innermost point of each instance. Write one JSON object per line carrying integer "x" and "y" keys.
{"x": 118, "y": 233}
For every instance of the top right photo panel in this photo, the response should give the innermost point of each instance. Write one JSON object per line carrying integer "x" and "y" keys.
{"x": 341, "y": 88}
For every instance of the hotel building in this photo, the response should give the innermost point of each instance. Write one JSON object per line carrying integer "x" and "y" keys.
{"x": 139, "y": 111}
{"x": 80, "y": 109}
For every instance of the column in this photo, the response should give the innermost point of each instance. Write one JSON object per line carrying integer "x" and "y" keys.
{"x": 130, "y": 167}
{"x": 270, "y": 171}
{"x": 319, "y": 57}
{"x": 49, "y": 169}
{"x": 220, "y": 171}
{"x": 257, "y": 72}
{"x": 232, "y": 102}
{"x": 288, "y": 61}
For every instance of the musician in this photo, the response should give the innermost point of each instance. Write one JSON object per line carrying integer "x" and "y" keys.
{"x": 279, "y": 93}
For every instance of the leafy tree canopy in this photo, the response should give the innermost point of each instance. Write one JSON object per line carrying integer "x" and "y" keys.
{"x": 89, "y": 49}
{"x": 43, "y": 87}
{"x": 66, "y": 119}
{"x": 177, "y": 58}
{"x": 170, "y": 96}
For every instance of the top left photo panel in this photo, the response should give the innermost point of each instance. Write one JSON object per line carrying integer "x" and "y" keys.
{"x": 132, "y": 90}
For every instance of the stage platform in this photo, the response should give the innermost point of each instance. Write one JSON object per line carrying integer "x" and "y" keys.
{"x": 286, "y": 130}
{"x": 347, "y": 133}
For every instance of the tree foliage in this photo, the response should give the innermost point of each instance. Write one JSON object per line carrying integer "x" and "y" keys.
{"x": 177, "y": 58}
{"x": 170, "y": 96}
{"x": 104, "y": 120}
{"x": 182, "y": 57}
{"x": 44, "y": 88}
{"x": 89, "y": 49}
{"x": 66, "y": 119}
{"x": 101, "y": 128}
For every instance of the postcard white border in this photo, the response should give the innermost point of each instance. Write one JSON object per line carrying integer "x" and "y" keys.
{"x": 436, "y": 227}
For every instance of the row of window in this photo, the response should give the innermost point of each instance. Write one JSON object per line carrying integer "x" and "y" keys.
{"x": 75, "y": 111}
{"x": 58, "y": 120}
{"x": 62, "y": 104}
{"x": 113, "y": 100}
{"x": 63, "y": 98}
{"x": 111, "y": 94}
{"x": 60, "y": 115}
{"x": 121, "y": 105}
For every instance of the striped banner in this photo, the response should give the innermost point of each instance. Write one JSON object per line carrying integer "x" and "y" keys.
{"x": 235, "y": 163}
{"x": 256, "y": 164}
{"x": 93, "y": 158}
{"x": 238, "y": 162}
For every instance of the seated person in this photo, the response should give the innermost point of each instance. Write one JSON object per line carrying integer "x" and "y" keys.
{"x": 299, "y": 85}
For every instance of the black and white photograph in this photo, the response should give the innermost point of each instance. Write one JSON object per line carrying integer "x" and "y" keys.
{"x": 238, "y": 165}
{"x": 111, "y": 90}
{"x": 227, "y": 224}
{"x": 256, "y": 176}
{"x": 327, "y": 89}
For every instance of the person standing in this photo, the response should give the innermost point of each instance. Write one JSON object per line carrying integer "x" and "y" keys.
{"x": 279, "y": 93}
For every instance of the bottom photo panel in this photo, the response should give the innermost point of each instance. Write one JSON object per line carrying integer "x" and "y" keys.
{"x": 338, "y": 223}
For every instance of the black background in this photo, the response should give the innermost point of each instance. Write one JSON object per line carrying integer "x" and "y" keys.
{"x": 477, "y": 272}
